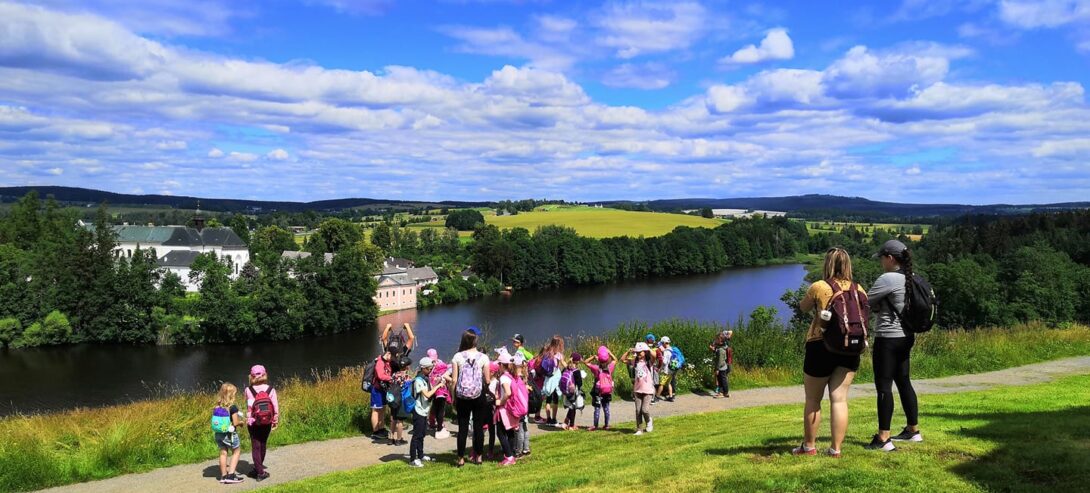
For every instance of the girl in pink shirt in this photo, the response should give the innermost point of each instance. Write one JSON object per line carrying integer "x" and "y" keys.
{"x": 262, "y": 416}
{"x": 638, "y": 360}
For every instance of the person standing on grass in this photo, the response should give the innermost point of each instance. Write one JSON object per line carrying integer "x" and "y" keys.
{"x": 666, "y": 380}
{"x": 724, "y": 358}
{"x": 552, "y": 367}
{"x": 438, "y": 379}
{"x": 400, "y": 375}
{"x": 262, "y": 417}
{"x": 225, "y": 419}
{"x": 522, "y": 435}
{"x": 471, "y": 377}
{"x": 655, "y": 362}
{"x": 822, "y": 368}
{"x": 602, "y": 392}
{"x": 571, "y": 385}
{"x": 639, "y": 364}
{"x": 505, "y": 423}
{"x": 423, "y": 392}
{"x": 893, "y": 347}
{"x": 383, "y": 375}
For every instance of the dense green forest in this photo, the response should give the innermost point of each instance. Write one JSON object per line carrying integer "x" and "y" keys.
{"x": 61, "y": 283}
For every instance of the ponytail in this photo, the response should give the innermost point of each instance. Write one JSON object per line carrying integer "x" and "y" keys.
{"x": 906, "y": 268}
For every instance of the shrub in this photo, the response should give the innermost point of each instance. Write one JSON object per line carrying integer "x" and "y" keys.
{"x": 10, "y": 330}
{"x": 54, "y": 330}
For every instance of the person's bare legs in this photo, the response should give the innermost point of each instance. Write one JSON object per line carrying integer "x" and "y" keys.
{"x": 234, "y": 460}
{"x": 811, "y": 415}
{"x": 376, "y": 420}
{"x": 839, "y": 384}
{"x": 223, "y": 462}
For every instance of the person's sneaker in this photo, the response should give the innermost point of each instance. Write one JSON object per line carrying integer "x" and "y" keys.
{"x": 639, "y": 432}
{"x": 907, "y": 436}
{"x": 832, "y": 452}
{"x": 263, "y": 476}
{"x": 878, "y": 444}
{"x": 592, "y": 428}
{"x": 539, "y": 420}
{"x": 416, "y": 463}
{"x": 803, "y": 450}
{"x": 650, "y": 426}
{"x": 231, "y": 479}
{"x": 427, "y": 458}
{"x": 670, "y": 399}
{"x": 507, "y": 461}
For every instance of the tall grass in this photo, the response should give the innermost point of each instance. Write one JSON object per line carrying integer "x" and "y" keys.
{"x": 38, "y": 451}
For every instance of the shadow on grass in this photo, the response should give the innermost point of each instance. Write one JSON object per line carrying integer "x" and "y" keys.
{"x": 768, "y": 448}
{"x": 1036, "y": 451}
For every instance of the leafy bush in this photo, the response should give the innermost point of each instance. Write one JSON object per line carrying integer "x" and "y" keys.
{"x": 54, "y": 330}
{"x": 464, "y": 219}
{"x": 10, "y": 329}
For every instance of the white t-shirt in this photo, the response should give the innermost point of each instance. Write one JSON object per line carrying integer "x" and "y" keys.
{"x": 667, "y": 355}
{"x": 498, "y": 384}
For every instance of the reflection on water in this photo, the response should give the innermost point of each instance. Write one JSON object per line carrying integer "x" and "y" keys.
{"x": 90, "y": 375}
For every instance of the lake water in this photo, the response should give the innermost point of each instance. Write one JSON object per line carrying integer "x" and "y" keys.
{"x": 94, "y": 375}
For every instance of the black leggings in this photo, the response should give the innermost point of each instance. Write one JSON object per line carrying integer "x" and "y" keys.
{"x": 891, "y": 366}
{"x": 466, "y": 408}
{"x": 507, "y": 440}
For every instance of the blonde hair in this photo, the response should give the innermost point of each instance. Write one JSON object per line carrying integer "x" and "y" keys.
{"x": 227, "y": 394}
{"x": 259, "y": 380}
{"x": 838, "y": 265}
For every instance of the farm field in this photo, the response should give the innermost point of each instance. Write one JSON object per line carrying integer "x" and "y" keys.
{"x": 601, "y": 223}
{"x": 816, "y": 227}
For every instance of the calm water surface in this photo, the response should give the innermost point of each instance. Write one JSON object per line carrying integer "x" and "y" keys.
{"x": 93, "y": 375}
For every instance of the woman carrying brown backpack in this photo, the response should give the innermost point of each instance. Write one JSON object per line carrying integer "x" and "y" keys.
{"x": 825, "y": 369}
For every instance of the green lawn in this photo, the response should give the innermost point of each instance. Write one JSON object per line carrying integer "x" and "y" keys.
{"x": 601, "y": 223}
{"x": 1034, "y": 438}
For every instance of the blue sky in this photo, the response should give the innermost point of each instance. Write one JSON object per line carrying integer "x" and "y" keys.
{"x": 975, "y": 101}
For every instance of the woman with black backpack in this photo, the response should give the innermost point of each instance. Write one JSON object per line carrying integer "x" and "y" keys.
{"x": 893, "y": 346}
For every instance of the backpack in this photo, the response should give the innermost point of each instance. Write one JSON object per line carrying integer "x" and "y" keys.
{"x": 221, "y": 420}
{"x": 395, "y": 398}
{"x": 921, "y": 309}
{"x": 518, "y": 404}
{"x": 548, "y": 365}
{"x": 605, "y": 382}
{"x": 567, "y": 381}
{"x": 678, "y": 360}
{"x": 368, "y": 377}
{"x": 846, "y": 332}
{"x": 408, "y": 398}
{"x": 470, "y": 379}
{"x": 262, "y": 410}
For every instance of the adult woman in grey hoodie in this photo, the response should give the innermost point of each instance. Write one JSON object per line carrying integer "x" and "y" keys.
{"x": 893, "y": 347}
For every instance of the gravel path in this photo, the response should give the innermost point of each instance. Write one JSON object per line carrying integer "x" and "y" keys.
{"x": 301, "y": 461}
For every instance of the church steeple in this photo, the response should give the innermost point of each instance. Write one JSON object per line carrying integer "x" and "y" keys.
{"x": 198, "y": 219}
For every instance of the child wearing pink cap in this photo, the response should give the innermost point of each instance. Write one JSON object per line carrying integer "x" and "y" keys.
{"x": 262, "y": 416}
{"x": 442, "y": 395}
{"x": 602, "y": 392}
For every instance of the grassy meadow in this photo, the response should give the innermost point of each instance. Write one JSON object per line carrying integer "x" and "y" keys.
{"x": 38, "y": 451}
{"x": 1005, "y": 439}
{"x": 601, "y": 223}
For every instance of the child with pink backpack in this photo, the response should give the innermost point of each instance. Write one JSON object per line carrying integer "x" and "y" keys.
{"x": 511, "y": 406}
{"x": 602, "y": 393}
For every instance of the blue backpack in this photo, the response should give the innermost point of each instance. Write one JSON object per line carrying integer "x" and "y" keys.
{"x": 408, "y": 400}
{"x": 678, "y": 360}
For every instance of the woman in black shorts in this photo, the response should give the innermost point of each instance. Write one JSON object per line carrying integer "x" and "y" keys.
{"x": 822, "y": 368}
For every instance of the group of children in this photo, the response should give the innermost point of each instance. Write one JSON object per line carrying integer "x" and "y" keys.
{"x": 261, "y": 417}
{"x": 521, "y": 384}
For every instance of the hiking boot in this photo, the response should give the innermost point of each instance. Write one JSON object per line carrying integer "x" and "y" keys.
{"x": 803, "y": 450}
{"x": 877, "y": 443}
{"x": 907, "y": 436}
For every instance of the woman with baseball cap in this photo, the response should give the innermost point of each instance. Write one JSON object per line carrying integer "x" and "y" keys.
{"x": 893, "y": 347}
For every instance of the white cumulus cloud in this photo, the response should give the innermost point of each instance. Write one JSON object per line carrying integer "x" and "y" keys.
{"x": 776, "y": 45}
